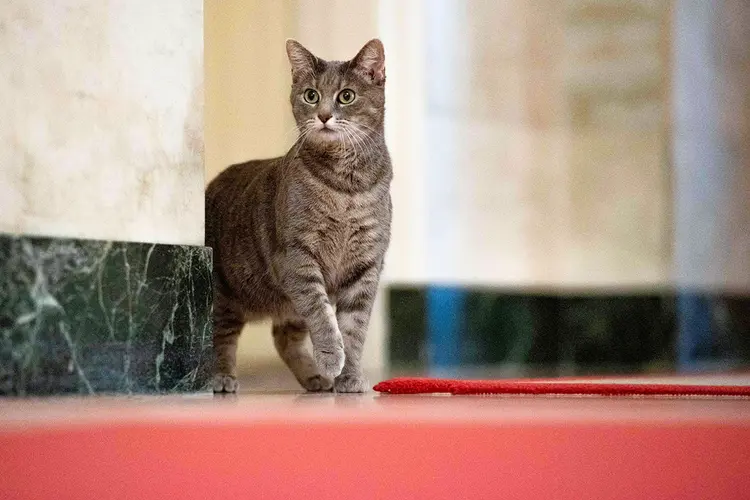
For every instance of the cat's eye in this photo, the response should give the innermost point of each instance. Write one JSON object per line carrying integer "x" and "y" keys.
{"x": 346, "y": 96}
{"x": 311, "y": 96}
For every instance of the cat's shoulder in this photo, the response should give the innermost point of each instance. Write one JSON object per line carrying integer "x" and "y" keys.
{"x": 252, "y": 166}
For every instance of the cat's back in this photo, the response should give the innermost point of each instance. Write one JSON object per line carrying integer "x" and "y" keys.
{"x": 239, "y": 177}
{"x": 236, "y": 188}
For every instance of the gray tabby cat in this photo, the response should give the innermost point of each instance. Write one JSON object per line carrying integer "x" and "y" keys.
{"x": 301, "y": 238}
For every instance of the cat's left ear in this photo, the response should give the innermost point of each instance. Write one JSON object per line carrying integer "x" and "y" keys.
{"x": 370, "y": 62}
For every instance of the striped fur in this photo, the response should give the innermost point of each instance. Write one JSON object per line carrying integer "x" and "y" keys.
{"x": 301, "y": 238}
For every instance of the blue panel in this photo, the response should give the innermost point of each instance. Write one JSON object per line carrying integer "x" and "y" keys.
{"x": 694, "y": 330}
{"x": 445, "y": 322}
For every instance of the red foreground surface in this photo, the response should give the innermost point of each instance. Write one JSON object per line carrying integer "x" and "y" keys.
{"x": 375, "y": 447}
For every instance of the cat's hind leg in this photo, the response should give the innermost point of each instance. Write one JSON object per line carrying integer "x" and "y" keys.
{"x": 228, "y": 322}
{"x": 289, "y": 337}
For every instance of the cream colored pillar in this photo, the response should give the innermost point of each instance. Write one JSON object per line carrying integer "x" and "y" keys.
{"x": 711, "y": 145}
{"x": 101, "y": 130}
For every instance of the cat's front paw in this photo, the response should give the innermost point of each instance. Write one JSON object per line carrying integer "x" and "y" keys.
{"x": 318, "y": 383}
{"x": 330, "y": 362}
{"x": 224, "y": 383}
{"x": 351, "y": 383}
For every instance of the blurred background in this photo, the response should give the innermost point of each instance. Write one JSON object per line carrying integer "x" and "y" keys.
{"x": 571, "y": 177}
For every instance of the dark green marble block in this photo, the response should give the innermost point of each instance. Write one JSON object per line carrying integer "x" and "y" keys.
{"x": 80, "y": 316}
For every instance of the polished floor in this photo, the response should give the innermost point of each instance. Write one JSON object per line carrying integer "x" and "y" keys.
{"x": 287, "y": 444}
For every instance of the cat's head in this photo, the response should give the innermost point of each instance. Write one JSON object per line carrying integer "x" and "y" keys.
{"x": 338, "y": 102}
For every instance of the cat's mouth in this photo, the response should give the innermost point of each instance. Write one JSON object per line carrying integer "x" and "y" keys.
{"x": 328, "y": 133}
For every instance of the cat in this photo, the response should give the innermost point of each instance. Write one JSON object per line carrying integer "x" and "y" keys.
{"x": 302, "y": 238}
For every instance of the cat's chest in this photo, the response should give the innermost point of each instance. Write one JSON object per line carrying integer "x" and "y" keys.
{"x": 348, "y": 229}
{"x": 342, "y": 241}
{"x": 336, "y": 229}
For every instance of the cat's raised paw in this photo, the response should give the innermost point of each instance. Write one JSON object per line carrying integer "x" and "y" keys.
{"x": 329, "y": 362}
{"x": 351, "y": 383}
{"x": 224, "y": 383}
{"x": 318, "y": 383}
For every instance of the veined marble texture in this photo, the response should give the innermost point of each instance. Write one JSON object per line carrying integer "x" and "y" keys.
{"x": 101, "y": 135}
{"x": 81, "y": 316}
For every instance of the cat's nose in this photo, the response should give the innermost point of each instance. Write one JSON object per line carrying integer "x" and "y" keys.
{"x": 324, "y": 117}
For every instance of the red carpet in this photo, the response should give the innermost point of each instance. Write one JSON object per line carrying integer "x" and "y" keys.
{"x": 563, "y": 387}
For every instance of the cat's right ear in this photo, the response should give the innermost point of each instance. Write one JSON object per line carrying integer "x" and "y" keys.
{"x": 302, "y": 61}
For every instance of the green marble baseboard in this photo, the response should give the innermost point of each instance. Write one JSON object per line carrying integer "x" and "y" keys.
{"x": 81, "y": 316}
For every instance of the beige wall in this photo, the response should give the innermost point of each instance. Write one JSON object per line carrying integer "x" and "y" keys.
{"x": 247, "y": 81}
{"x": 101, "y": 135}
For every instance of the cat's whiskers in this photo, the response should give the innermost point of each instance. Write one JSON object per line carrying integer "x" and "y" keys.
{"x": 371, "y": 143}
{"x": 366, "y": 142}
{"x": 305, "y": 130}
{"x": 293, "y": 130}
{"x": 342, "y": 145}
{"x": 367, "y": 138}
{"x": 365, "y": 148}
{"x": 352, "y": 131}
{"x": 362, "y": 125}
{"x": 350, "y": 137}
{"x": 357, "y": 128}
